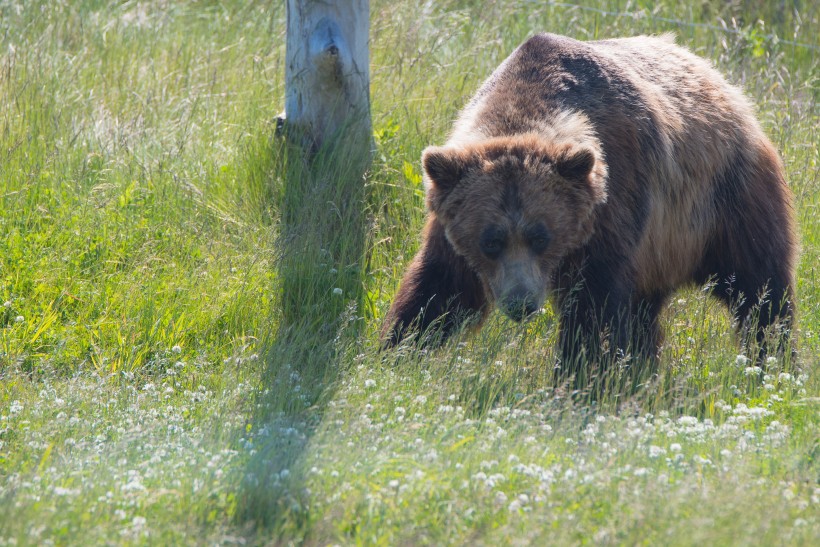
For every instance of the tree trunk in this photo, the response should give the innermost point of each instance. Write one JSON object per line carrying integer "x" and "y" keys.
{"x": 327, "y": 73}
{"x": 323, "y": 233}
{"x": 327, "y": 124}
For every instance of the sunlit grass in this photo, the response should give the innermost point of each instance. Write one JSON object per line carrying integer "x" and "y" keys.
{"x": 154, "y": 388}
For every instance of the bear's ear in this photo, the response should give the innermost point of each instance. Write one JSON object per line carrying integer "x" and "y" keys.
{"x": 444, "y": 166}
{"x": 579, "y": 164}
{"x": 575, "y": 163}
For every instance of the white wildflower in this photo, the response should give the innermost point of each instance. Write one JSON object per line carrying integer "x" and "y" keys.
{"x": 688, "y": 421}
{"x": 494, "y": 479}
{"x": 757, "y": 412}
{"x": 701, "y": 460}
{"x": 776, "y": 432}
{"x": 133, "y": 485}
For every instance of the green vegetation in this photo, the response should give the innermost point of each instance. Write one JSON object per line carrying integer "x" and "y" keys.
{"x": 174, "y": 369}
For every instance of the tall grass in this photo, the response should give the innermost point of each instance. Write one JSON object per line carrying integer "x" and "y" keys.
{"x": 175, "y": 366}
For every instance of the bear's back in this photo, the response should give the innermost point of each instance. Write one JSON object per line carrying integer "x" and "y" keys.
{"x": 650, "y": 81}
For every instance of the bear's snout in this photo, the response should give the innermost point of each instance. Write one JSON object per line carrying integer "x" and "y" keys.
{"x": 519, "y": 304}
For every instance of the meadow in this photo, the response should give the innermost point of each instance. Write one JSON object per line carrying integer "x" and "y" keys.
{"x": 174, "y": 369}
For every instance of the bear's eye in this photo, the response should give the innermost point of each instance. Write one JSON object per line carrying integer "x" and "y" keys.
{"x": 538, "y": 238}
{"x": 492, "y": 241}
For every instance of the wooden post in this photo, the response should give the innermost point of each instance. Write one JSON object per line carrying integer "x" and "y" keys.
{"x": 327, "y": 75}
{"x": 328, "y": 135}
{"x": 327, "y": 123}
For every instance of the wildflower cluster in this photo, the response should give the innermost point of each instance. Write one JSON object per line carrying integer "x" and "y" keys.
{"x": 98, "y": 448}
{"x": 404, "y": 443}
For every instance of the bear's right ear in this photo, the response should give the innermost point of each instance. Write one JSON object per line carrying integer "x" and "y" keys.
{"x": 444, "y": 166}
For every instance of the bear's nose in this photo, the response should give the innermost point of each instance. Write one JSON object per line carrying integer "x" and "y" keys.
{"x": 518, "y": 306}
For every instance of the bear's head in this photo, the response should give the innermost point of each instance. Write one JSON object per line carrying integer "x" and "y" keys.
{"x": 514, "y": 207}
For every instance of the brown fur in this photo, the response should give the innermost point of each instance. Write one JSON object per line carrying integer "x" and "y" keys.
{"x": 646, "y": 170}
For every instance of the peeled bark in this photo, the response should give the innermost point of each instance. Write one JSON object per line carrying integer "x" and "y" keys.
{"x": 327, "y": 76}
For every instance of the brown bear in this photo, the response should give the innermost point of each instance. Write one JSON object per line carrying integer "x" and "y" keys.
{"x": 606, "y": 174}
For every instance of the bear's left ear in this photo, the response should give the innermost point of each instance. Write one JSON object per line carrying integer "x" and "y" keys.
{"x": 444, "y": 166}
{"x": 575, "y": 163}
{"x": 578, "y": 163}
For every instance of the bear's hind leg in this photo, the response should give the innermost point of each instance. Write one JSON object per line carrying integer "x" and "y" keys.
{"x": 647, "y": 333}
{"x": 752, "y": 257}
{"x": 760, "y": 302}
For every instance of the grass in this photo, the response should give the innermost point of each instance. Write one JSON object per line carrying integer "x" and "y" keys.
{"x": 162, "y": 379}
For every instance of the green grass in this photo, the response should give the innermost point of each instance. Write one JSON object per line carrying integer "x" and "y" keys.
{"x": 175, "y": 367}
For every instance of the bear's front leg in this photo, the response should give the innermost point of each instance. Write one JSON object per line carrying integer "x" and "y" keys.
{"x": 598, "y": 329}
{"x": 439, "y": 289}
{"x": 603, "y": 319}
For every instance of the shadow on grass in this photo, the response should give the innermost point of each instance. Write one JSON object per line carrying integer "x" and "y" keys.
{"x": 323, "y": 234}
